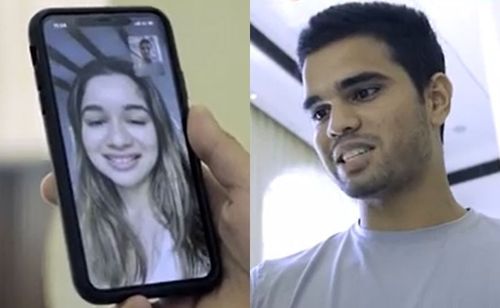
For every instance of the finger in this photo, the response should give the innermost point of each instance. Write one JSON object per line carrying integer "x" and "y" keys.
{"x": 219, "y": 200}
{"x": 135, "y": 302}
{"x": 48, "y": 189}
{"x": 217, "y": 195}
{"x": 225, "y": 157}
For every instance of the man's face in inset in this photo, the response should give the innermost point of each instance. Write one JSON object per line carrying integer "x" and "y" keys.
{"x": 145, "y": 48}
{"x": 371, "y": 128}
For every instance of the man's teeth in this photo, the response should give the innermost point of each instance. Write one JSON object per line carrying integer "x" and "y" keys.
{"x": 353, "y": 153}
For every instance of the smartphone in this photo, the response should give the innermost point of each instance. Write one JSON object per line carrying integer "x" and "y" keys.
{"x": 133, "y": 203}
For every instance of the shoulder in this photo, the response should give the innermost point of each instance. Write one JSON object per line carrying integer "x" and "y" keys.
{"x": 489, "y": 221}
{"x": 478, "y": 233}
{"x": 277, "y": 278}
{"x": 488, "y": 225}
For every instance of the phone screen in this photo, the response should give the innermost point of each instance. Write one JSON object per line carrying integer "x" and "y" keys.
{"x": 121, "y": 123}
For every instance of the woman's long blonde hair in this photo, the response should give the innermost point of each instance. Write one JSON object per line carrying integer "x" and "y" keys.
{"x": 115, "y": 256}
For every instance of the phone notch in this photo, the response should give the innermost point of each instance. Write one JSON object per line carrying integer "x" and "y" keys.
{"x": 106, "y": 20}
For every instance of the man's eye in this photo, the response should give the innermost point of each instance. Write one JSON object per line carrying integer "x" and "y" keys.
{"x": 365, "y": 94}
{"x": 320, "y": 113}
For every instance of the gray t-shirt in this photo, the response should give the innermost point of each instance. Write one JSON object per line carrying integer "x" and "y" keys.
{"x": 453, "y": 265}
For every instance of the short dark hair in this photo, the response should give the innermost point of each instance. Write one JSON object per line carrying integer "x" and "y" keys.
{"x": 144, "y": 41}
{"x": 406, "y": 31}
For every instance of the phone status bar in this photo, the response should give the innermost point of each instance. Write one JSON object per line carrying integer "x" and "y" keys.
{"x": 60, "y": 25}
{"x": 142, "y": 23}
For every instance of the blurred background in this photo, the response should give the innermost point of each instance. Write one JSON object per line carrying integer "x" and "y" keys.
{"x": 212, "y": 39}
{"x": 294, "y": 204}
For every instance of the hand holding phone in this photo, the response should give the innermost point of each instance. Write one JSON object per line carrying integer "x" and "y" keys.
{"x": 131, "y": 190}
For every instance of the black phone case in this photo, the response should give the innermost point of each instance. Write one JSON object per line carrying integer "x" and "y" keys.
{"x": 76, "y": 254}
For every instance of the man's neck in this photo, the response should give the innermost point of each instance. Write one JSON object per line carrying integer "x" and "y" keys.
{"x": 426, "y": 202}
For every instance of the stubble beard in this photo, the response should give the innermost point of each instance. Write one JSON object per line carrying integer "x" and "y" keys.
{"x": 398, "y": 170}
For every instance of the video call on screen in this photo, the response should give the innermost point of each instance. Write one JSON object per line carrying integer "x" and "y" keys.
{"x": 122, "y": 130}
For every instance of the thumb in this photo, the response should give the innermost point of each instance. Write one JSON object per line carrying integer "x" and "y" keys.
{"x": 48, "y": 189}
{"x": 135, "y": 302}
{"x": 224, "y": 156}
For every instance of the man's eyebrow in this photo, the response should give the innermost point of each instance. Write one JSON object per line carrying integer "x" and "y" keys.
{"x": 359, "y": 78}
{"x": 310, "y": 101}
{"x": 345, "y": 84}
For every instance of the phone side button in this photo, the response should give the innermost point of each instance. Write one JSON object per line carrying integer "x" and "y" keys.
{"x": 34, "y": 55}
{"x": 41, "y": 98}
{"x": 37, "y": 79}
{"x": 183, "y": 86}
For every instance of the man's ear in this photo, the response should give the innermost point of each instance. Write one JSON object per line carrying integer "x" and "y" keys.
{"x": 438, "y": 95}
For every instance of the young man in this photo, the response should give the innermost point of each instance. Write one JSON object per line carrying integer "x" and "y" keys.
{"x": 145, "y": 48}
{"x": 147, "y": 64}
{"x": 377, "y": 93}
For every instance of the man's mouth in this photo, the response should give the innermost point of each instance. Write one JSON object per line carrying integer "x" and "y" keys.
{"x": 351, "y": 153}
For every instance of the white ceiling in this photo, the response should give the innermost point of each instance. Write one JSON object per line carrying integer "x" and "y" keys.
{"x": 470, "y": 137}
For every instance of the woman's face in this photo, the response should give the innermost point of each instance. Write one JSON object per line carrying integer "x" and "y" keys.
{"x": 118, "y": 133}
